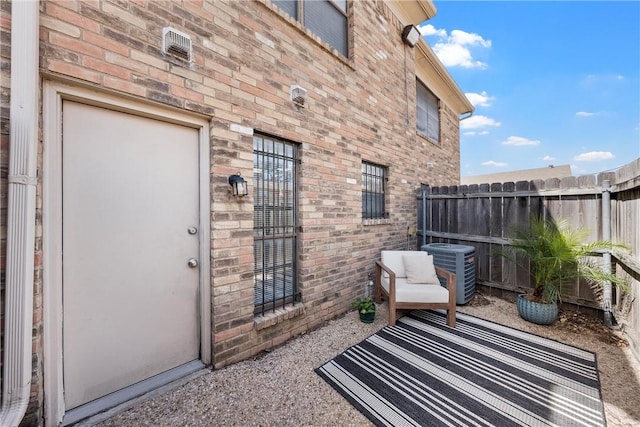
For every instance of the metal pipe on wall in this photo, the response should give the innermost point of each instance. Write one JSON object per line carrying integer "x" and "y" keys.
{"x": 606, "y": 258}
{"x": 21, "y": 211}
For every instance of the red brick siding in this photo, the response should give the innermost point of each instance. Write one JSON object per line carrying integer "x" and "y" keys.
{"x": 246, "y": 55}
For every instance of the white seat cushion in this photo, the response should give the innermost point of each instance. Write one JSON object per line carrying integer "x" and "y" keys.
{"x": 411, "y": 292}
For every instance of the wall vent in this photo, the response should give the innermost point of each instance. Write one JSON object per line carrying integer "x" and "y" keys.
{"x": 298, "y": 95}
{"x": 176, "y": 43}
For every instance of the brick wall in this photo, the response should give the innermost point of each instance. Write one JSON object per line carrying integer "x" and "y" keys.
{"x": 246, "y": 55}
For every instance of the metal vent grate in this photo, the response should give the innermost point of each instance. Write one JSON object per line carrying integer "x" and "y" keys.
{"x": 298, "y": 95}
{"x": 176, "y": 43}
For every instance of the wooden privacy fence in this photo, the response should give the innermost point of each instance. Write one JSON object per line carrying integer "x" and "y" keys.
{"x": 484, "y": 215}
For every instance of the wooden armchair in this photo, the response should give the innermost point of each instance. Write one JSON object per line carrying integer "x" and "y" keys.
{"x": 409, "y": 280}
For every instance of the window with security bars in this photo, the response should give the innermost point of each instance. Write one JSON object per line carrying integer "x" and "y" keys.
{"x": 374, "y": 179}
{"x": 428, "y": 122}
{"x": 274, "y": 217}
{"x": 326, "y": 18}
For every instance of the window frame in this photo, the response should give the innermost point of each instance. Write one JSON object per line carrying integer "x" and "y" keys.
{"x": 431, "y": 109}
{"x": 374, "y": 194}
{"x": 299, "y": 17}
{"x": 275, "y": 229}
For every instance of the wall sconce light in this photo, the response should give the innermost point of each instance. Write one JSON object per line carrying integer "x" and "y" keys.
{"x": 410, "y": 35}
{"x": 238, "y": 185}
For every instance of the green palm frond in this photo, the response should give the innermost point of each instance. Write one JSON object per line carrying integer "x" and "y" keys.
{"x": 557, "y": 256}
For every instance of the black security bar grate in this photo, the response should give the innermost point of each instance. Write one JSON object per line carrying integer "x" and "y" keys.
{"x": 275, "y": 230}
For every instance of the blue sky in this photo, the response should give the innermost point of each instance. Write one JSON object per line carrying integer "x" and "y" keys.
{"x": 552, "y": 82}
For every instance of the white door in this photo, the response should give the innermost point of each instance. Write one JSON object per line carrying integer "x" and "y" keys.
{"x": 129, "y": 229}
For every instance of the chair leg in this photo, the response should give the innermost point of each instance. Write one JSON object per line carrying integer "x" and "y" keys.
{"x": 451, "y": 318}
{"x": 392, "y": 312}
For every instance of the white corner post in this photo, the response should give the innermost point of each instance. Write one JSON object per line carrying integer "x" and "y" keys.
{"x": 21, "y": 210}
{"x": 606, "y": 257}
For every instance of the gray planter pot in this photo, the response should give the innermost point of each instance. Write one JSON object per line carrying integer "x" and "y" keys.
{"x": 535, "y": 312}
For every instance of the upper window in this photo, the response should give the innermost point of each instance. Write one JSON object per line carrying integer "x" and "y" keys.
{"x": 428, "y": 112}
{"x": 326, "y": 18}
{"x": 374, "y": 179}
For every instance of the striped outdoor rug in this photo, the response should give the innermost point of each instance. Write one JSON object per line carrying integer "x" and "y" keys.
{"x": 423, "y": 373}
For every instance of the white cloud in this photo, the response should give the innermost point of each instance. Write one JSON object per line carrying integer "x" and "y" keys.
{"x": 592, "y": 79}
{"x": 518, "y": 141}
{"x": 473, "y": 133}
{"x": 468, "y": 39}
{"x": 430, "y": 30}
{"x": 548, "y": 158}
{"x": 475, "y": 122}
{"x": 496, "y": 164}
{"x": 455, "y": 49}
{"x": 593, "y": 156}
{"x": 479, "y": 99}
{"x": 453, "y": 55}
{"x": 593, "y": 113}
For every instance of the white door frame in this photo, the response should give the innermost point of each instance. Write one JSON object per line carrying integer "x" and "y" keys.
{"x": 53, "y": 95}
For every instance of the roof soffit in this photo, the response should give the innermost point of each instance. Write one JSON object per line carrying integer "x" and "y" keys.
{"x": 413, "y": 11}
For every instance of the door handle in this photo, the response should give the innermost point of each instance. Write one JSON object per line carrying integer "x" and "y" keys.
{"x": 192, "y": 263}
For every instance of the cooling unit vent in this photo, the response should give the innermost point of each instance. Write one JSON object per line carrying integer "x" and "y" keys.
{"x": 176, "y": 43}
{"x": 459, "y": 259}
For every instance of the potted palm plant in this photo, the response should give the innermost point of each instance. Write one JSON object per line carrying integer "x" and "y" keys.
{"x": 556, "y": 256}
{"x": 366, "y": 309}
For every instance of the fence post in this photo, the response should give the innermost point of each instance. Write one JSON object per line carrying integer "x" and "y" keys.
{"x": 606, "y": 258}
{"x": 425, "y": 196}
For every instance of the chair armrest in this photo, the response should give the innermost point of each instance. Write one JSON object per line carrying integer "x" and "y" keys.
{"x": 392, "y": 277}
{"x": 452, "y": 285}
{"x": 386, "y": 269}
{"x": 449, "y": 277}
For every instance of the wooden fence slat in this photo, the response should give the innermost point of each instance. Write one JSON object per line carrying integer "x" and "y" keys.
{"x": 481, "y": 215}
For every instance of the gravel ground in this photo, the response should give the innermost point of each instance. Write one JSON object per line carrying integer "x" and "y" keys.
{"x": 280, "y": 388}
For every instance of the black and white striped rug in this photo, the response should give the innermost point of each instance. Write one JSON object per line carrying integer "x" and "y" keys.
{"x": 423, "y": 373}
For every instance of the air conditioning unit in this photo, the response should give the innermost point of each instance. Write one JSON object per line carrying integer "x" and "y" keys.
{"x": 459, "y": 259}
